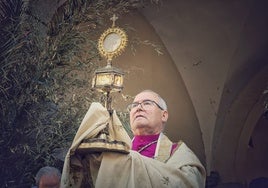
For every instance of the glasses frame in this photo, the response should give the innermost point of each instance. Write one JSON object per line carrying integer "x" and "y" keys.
{"x": 136, "y": 104}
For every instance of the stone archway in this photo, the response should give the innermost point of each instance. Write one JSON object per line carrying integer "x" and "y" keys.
{"x": 243, "y": 116}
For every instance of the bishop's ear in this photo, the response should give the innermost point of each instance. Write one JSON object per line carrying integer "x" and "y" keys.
{"x": 164, "y": 116}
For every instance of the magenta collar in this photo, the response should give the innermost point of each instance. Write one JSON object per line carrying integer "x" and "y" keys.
{"x": 141, "y": 141}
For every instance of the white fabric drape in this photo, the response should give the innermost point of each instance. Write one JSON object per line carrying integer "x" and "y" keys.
{"x": 132, "y": 170}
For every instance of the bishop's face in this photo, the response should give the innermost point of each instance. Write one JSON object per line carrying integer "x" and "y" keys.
{"x": 147, "y": 118}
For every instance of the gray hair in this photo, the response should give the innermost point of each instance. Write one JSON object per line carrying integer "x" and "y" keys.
{"x": 162, "y": 102}
{"x": 47, "y": 171}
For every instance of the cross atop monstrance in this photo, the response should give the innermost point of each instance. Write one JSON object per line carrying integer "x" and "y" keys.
{"x": 114, "y": 18}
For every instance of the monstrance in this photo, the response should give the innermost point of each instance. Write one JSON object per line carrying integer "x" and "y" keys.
{"x": 106, "y": 80}
{"x": 109, "y": 79}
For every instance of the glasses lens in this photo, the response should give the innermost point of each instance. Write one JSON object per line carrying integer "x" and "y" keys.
{"x": 147, "y": 104}
{"x": 131, "y": 106}
{"x": 144, "y": 104}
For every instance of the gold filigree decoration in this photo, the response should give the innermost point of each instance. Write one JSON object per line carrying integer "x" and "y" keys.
{"x": 113, "y": 41}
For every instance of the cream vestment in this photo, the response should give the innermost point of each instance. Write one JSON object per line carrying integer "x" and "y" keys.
{"x": 125, "y": 169}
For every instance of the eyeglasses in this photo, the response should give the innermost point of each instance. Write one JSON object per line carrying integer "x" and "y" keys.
{"x": 146, "y": 104}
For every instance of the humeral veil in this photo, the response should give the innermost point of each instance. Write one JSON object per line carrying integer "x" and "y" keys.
{"x": 112, "y": 163}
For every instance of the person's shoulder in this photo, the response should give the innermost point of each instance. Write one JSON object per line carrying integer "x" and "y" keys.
{"x": 176, "y": 145}
{"x": 180, "y": 142}
{"x": 183, "y": 145}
